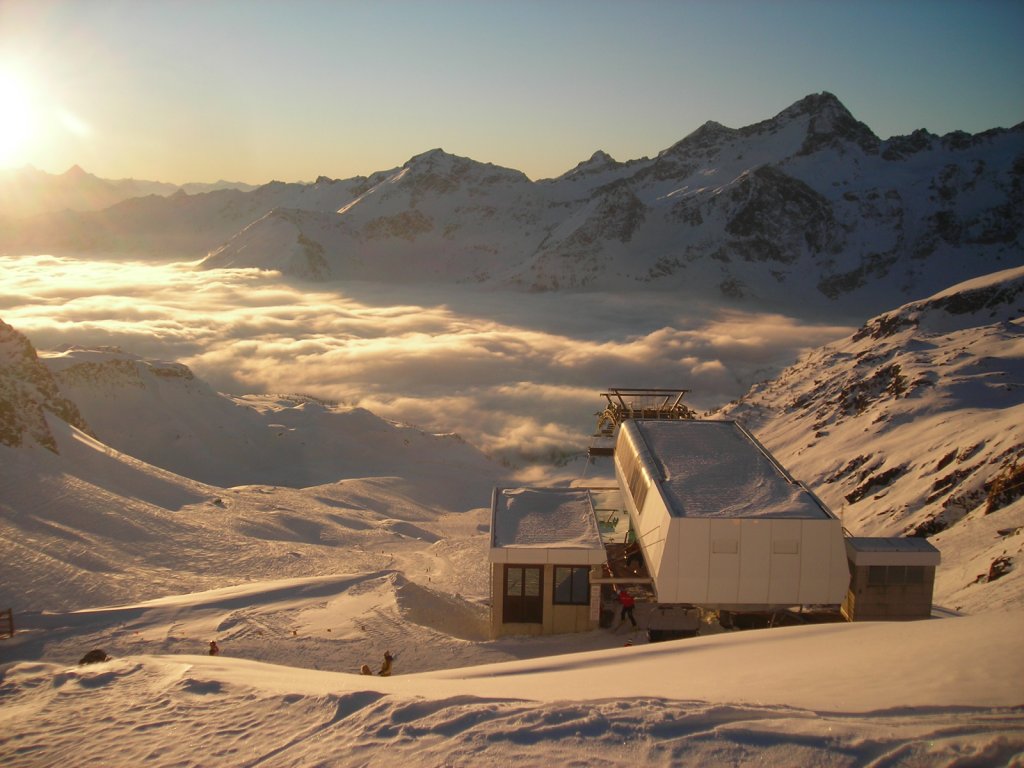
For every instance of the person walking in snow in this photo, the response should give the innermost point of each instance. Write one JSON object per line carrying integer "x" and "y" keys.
{"x": 385, "y": 668}
{"x": 214, "y": 648}
{"x": 627, "y": 602}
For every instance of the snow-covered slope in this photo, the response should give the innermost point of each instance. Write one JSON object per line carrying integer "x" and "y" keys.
{"x": 90, "y": 526}
{"x": 161, "y": 413}
{"x": 808, "y": 207}
{"x": 914, "y": 425}
{"x": 942, "y": 692}
{"x": 79, "y": 516}
{"x": 438, "y": 217}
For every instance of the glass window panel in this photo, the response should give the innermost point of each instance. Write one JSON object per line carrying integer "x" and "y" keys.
{"x": 531, "y": 582}
{"x": 572, "y": 585}
{"x": 563, "y": 584}
{"x": 581, "y": 586}
{"x": 514, "y": 582}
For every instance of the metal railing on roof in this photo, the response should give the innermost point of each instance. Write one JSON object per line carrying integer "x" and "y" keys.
{"x": 624, "y": 403}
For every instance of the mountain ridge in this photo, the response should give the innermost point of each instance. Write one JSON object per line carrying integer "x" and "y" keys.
{"x": 27, "y": 191}
{"x": 808, "y": 203}
{"x": 911, "y": 426}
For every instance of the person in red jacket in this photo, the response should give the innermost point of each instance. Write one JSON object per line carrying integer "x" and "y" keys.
{"x": 627, "y": 602}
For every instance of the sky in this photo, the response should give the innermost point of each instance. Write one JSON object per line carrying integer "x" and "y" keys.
{"x": 254, "y": 91}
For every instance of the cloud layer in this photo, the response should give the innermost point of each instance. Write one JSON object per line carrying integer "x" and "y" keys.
{"x": 518, "y": 375}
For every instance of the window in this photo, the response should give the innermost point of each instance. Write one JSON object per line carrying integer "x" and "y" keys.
{"x": 638, "y": 486}
{"x": 876, "y": 575}
{"x": 894, "y": 575}
{"x": 572, "y": 585}
{"x": 523, "y": 603}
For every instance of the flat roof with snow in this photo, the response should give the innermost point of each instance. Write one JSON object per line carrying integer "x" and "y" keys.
{"x": 545, "y": 525}
{"x": 893, "y": 550}
{"x": 716, "y": 469}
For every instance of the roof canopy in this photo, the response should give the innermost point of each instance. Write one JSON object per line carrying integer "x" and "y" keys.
{"x": 545, "y": 525}
{"x": 895, "y": 550}
{"x": 716, "y": 469}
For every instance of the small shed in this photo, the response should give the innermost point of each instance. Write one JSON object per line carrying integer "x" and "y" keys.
{"x": 721, "y": 523}
{"x": 544, "y": 542}
{"x": 892, "y": 578}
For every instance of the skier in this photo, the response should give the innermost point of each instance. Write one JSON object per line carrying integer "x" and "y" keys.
{"x": 385, "y": 668}
{"x": 627, "y": 602}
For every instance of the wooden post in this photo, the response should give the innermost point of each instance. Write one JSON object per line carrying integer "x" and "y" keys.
{"x": 9, "y": 615}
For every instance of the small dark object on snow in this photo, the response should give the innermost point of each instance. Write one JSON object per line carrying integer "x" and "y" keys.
{"x": 94, "y": 657}
{"x": 385, "y": 668}
{"x": 214, "y": 648}
{"x": 999, "y": 568}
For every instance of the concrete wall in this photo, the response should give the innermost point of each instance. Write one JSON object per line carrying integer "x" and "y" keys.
{"x": 889, "y": 602}
{"x": 557, "y": 619}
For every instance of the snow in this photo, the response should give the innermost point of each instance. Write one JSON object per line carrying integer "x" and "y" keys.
{"x": 300, "y": 586}
{"x": 528, "y": 518}
{"x": 712, "y": 469}
{"x": 932, "y": 692}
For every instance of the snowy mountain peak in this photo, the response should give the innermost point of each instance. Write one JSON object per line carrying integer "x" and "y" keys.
{"x": 430, "y": 157}
{"x": 710, "y": 135}
{"x": 829, "y": 124}
{"x": 446, "y": 171}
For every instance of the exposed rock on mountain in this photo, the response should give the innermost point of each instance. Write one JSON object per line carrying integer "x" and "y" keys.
{"x": 806, "y": 206}
{"x": 27, "y": 390}
{"x": 913, "y": 426}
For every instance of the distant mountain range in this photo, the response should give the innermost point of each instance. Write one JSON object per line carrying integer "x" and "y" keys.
{"x": 28, "y": 191}
{"x": 807, "y": 207}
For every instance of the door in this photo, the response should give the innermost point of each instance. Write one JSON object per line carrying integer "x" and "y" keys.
{"x": 524, "y": 595}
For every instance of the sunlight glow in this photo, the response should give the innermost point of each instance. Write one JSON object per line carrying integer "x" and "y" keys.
{"x": 16, "y": 119}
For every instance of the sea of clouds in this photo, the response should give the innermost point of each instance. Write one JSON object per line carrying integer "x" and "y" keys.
{"x": 519, "y": 375}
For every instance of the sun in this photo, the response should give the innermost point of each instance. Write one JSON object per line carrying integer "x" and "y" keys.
{"x": 16, "y": 119}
